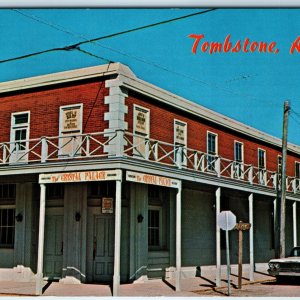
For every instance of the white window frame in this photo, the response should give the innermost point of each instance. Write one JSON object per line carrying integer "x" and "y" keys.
{"x": 262, "y": 174}
{"x": 160, "y": 229}
{"x": 297, "y": 166}
{"x": 207, "y": 150}
{"x": 76, "y": 141}
{"x": 238, "y": 166}
{"x": 279, "y": 170}
{"x": 141, "y": 147}
{"x": 19, "y": 155}
{"x": 10, "y": 206}
{"x": 183, "y": 159}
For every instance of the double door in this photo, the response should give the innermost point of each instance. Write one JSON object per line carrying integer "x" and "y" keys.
{"x": 54, "y": 247}
{"x": 100, "y": 246}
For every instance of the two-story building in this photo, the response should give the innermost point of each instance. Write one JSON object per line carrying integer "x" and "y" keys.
{"x": 105, "y": 177}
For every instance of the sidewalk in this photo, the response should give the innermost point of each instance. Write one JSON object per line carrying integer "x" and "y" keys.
{"x": 190, "y": 287}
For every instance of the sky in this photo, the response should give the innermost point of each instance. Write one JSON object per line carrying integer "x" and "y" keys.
{"x": 242, "y": 83}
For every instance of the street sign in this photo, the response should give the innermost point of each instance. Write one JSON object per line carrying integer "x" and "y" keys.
{"x": 226, "y": 220}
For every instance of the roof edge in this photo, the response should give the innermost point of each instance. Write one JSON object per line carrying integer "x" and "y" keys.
{"x": 65, "y": 76}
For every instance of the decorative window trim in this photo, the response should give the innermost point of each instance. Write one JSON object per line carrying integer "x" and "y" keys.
{"x": 265, "y": 158}
{"x": 297, "y": 163}
{"x": 160, "y": 229}
{"x": 216, "y": 135}
{"x": 262, "y": 171}
{"x": 210, "y": 162}
{"x": 279, "y": 169}
{"x": 238, "y": 167}
{"x": 13, "y": 226}
{"x": 14, "y": 157}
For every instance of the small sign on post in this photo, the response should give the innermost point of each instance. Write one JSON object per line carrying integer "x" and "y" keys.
{"x": 241, "y": 226}
{"x": 227, "y": 221}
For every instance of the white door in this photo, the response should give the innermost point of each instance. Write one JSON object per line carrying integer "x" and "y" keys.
{"x": 53, "y": 253}
{"x": 100, "y": 248}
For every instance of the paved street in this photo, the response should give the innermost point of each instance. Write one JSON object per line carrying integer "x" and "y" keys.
{"x": 289, "y": 288}
{"x": 204, "y": 286}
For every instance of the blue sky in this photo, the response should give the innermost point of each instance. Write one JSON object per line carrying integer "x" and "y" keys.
{"x": 248, "y": 87}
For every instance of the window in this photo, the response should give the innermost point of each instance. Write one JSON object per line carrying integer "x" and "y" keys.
{"x": 141, "y": 131}
{"x": 7, "y": 215}
{"x": 55, "y": 191}
{"x": 19, "y": 136}
{"x": 180, "y": 142}
{"x": 238, "y": 167}
{"x": 154, "y": 227}
{"x": 262, "y": 174}
{"x": 279, "y": 164}
{"x": 70, "y": 126}
{"x": 297, "y": 174}
{"x": 7, "y": 193}
{"x": 212, "y": 150}
{"x": 7, "y": 227}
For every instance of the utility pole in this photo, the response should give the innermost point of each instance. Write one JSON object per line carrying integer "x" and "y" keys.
{"x": 283, "y": 178}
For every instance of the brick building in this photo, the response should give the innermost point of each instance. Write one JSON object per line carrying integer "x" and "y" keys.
{"x": 107, "y": 177}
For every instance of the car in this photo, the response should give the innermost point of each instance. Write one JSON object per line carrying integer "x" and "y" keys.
{"x": 288, "y": 266}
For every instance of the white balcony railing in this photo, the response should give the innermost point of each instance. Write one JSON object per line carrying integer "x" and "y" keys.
{"x": 124, "y": 144}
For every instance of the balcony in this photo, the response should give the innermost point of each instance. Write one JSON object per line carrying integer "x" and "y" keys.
{"x": 103, "y": 145}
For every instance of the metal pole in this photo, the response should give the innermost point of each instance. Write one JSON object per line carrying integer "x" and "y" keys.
{"x": 283, "y": 179}
{"x": 228, "y": 257}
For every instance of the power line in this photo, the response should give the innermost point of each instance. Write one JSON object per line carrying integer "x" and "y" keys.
{"x": 65, "y": 30}
{"x": 296, "y": 120}
{"x": 297, "y": 114}
{"x": 74, "y": 46}
{"x": 94, "y": 41}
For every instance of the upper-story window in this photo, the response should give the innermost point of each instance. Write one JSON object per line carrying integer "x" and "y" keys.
{"x": 279, "y": 164}
{"x": 70, "y": 128}
{"x": 180, "y": 142}
{"x": 297, "y": 173}
{"x": 238, "y": 168}
{"x": 141, "y": 131}
{"x": 19, "y": 136}
{"x": 212, "y": 150}
{"x": 262, "y": 174}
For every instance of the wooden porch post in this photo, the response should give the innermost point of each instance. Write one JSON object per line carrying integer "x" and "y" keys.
{"x": 178, "y": 238}
{"x": 218, "y": 239}
{"x": 251, "y": 254}
{"x": 39, "y": 275}
{"x": 116, "y": 277}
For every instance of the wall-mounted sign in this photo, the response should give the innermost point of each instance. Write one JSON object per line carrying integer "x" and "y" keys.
{"x": 180, "y": 132}
{"x": 152, "y": 179}
{"x": 100, "y": 175}
{"x": 107, "y": 206}
{"x": 71, "y": 119}
{"x": 141, "y": 120}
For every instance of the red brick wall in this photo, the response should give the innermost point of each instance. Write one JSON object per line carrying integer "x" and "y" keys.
{"x": 162, "y": 125}
{"x": 44, "y": 108}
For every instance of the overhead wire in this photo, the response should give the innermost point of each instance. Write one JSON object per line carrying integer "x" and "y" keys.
{"x": 76, "y": 45}
{"x": 94, "y": 41}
